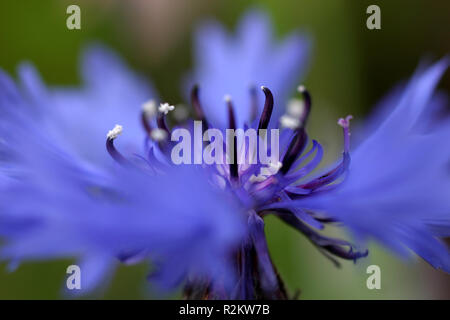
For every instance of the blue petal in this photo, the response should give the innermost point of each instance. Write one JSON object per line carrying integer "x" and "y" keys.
{"x": 397, "y": 187}
{"x": 228, "y": 65}
{"x": 111, "y": 95}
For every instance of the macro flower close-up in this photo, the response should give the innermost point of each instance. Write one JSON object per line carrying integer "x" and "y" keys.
{"x": 200, "y": 169}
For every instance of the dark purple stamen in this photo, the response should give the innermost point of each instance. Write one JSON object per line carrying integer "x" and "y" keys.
{"x": 330, "y": 176}
{"x": 340, "y": 169}
{"x": 114, "y": 153}
{"x": 339, "y": 248}
{"x": 299, "y": 141}
{"x": 198, "y": 110}
{"x": 232, "y": 125}
{"x": 267, "y": 111}
{"x": 307, "y": 103}
{"x": 161, "y": 121}
{"x": 145, "y": 123}
{"x": 295, "y": 148}
{"x": 253, "y": 103}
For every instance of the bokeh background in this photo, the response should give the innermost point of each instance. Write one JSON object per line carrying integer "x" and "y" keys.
{"x": 351, "y": 68}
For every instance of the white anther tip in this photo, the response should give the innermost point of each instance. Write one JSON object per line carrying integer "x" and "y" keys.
{"x": 158, "y": 134}
{"x": 149, "y": 108}
{"x": 296, "y": 108}
{"x": 287, "y": 121}
{"x": 165, "y": 108}
{"x": 227, "y": 98}
{"x": 301, "y": 88}
{"x": 112, "y": 134}
{"x": 263, "y": 87}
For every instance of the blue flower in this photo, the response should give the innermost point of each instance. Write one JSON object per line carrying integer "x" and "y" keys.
{"x": 69, "y": 191}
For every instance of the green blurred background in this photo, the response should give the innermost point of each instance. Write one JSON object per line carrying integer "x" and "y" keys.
{"x": 351, "y": 68}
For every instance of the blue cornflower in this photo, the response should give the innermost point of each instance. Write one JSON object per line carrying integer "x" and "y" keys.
{"x": 203, "y": 225}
